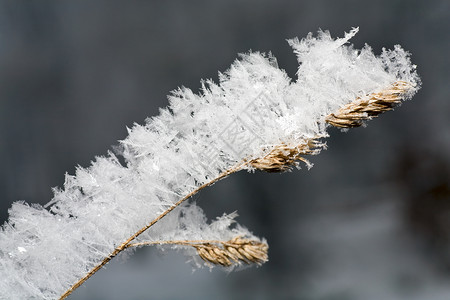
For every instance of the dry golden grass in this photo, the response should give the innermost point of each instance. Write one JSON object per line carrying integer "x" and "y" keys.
{"x": 280, "y": 158}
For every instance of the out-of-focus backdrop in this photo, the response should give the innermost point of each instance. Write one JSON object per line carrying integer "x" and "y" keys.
{"x": 371, "y": 220}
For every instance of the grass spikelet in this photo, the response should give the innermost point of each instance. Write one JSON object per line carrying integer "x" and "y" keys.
{"x": 282, "y": 157}
{"x": 229, "y": 253}
{"x": 368, "y": 107}
{"x": 235, "y": 251}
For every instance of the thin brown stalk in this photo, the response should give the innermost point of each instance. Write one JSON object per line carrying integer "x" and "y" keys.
{"x": 124, "y": 245}
{"x": 279, "y": 159}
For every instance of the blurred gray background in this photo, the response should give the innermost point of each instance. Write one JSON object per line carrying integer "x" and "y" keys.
{"x": 371, "y": 220}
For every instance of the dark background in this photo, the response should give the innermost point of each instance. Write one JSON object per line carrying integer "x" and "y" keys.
{"x": 371, "y": 220}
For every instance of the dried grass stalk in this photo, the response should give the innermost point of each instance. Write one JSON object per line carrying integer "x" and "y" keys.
{"x": 369, "y": 106}
{"x": 281, "y": 158}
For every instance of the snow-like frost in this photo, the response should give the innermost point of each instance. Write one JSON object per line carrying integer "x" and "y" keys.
{"x": 255, "y": 105}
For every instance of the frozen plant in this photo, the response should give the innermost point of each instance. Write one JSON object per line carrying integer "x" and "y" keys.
{"x": 255, "y": 118}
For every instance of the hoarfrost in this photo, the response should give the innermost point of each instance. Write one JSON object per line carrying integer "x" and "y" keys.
{"x": 255, "y": 105}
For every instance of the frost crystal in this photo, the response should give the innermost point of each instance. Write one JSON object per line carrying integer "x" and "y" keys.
{"x": 255, "y": 106}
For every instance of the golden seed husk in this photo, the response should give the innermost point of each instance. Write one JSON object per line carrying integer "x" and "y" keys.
{"x": 368, "y": 107}
{"x": 283, "y": 157}
{"x": 235, "y": 251}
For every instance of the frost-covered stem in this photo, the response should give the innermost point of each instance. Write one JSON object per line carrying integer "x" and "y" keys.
{"x": 255, "y": 118}
{"x": 279, "y": 159}
{"x": 126, "y": 244}
{"x": 181, "y": 242}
